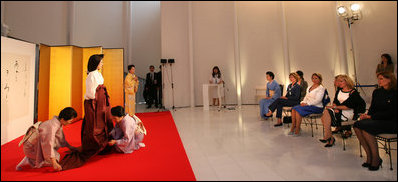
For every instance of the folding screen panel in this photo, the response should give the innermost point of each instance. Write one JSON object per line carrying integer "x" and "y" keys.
{"x": 60, "y": 91}
{"x": 44, "y": 84}
{"x": 17, "y": 87}
{"x": 77, "y": 84}
{"x": 63, "y": 73}
{"x": 112, "y": 71}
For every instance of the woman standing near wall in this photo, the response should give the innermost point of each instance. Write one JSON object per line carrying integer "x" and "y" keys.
{"x": 130, "y": 88}
{"x": 215, "y": 79}
{"x": 385, "y": 65}
{"x": 97, "y": 122}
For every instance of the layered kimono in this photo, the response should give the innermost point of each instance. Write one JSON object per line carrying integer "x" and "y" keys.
{"x": 128, "y": 133}
{"x": 96, "y": 125}
{"x": 42, "y": 141}
{"x": 130, "y": 88}
{"x": 273, "y": 91}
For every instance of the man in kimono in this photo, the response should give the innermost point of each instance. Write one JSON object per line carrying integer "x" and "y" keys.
{"x": 128, "y": 132}
{"x": 43, "y": 139}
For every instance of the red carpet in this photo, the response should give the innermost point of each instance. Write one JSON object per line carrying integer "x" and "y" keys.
{"x": 163, "y": 158}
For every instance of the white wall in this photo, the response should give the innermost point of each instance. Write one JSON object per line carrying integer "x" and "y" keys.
{"x": 175, "y": 44}
{"x": 37, "y": 21}
{"x": 213, "y": 45}
{"x": 91, "y": 23}
{"x": 260, "y": 42}
{"x": 145, "y": 40}
{"x": 313, "y": 41}
{"x": 317, "y": 40}
{"x": 374, "y": 34}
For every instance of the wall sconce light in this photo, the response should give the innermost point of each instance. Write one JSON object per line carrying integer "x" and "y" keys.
{"x": 350, "y": 16}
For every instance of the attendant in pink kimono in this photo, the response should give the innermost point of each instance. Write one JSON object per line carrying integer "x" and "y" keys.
{"x": 128, "y": 132}
{"x": 43, "y": 139}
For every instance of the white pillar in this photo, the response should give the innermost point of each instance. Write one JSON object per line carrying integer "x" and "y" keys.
{"x": 191, "y": 54}
{"x": 343, "y": 67}
{"x": 237, "y": 57}
{"x": 286, "y": 59}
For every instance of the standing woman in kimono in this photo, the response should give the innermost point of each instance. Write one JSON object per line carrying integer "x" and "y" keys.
{"x": 97, "y": 122}
{"x": 43, "y": 139}
{"x": 273, "y": 92}
{"x": 130, "y": 88}
{"x": 216, "y": 79}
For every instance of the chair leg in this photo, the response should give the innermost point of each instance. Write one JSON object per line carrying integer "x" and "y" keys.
{"x": 312, "y": 129}
{"x": 343, "y": 143}
{"x": 360, "y": 149}
{"x": 389, "y": 154}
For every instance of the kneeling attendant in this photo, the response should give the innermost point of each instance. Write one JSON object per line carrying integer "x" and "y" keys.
{"x": 128, "y": 132}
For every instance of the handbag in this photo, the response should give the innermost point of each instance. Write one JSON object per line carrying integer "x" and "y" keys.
{"x": 287, "y": 119}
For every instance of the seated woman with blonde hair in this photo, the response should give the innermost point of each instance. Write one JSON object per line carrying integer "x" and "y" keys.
{"x": 311, "y": 104}
{"x": 347, "y": 105}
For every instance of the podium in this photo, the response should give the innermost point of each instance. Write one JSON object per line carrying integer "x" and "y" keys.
{"x": 206, "y": 95}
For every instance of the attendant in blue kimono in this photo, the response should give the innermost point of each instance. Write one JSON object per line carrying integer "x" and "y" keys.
{"x": 291, "y": 99}
{"x": 273, "y": 92}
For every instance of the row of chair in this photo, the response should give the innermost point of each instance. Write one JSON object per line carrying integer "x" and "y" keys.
{"x": 311, "y": 120}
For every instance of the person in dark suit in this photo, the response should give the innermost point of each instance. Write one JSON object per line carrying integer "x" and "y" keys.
{"x": 159, "y": 86}
{"x": 150, "y": 87}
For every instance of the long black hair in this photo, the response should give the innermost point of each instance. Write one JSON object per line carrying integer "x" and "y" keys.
{"x": 388, "y": 57}
{"x": 93, "y": 62}
{"x": 218, "y": 73}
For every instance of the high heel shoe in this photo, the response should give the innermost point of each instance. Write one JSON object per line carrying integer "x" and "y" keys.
{"x": 375, "y": 168}
{"x": 365, "y": 164}
{"x": 329, "y": 145}
{"x": 323, "y": 140}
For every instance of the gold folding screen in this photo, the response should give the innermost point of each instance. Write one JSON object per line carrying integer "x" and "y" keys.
{"x": 113, "y": 75}
{"x": 62, "y": 77}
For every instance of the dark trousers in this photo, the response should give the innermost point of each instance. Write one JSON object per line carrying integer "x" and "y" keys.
{"x": 279, "y": 103}
{"x": 152, "y": 95}
{"x": 159, "y": 95}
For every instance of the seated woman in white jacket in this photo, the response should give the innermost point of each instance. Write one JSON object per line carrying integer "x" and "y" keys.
{"x": 311, "y": 104}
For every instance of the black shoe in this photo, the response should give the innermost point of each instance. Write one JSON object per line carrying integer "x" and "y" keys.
{"x": 365, "y": 164}
{"x": 265, "y": 115}
{"x": 330, "y": 145}
{"x": 375, "y": 168}
{"x": 280, "y": 124}
{"x": 323, "y": 141}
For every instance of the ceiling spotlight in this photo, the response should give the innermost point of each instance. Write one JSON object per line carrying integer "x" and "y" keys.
{"x": 342, "y": 11}
{"x": 355, "y": 7}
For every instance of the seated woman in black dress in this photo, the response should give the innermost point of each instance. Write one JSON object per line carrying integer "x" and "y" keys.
{"x": 381, "y": 118}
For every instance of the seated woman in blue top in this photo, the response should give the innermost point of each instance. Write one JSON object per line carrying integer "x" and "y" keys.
{"x": 381, "y": 118}
{"x": 311, "y": 104}
{"x": 291, "y": 99}
{"x": 273, "y": 92}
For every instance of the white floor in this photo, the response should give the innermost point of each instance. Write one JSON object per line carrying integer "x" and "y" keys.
{"x": 237, "y": 145}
